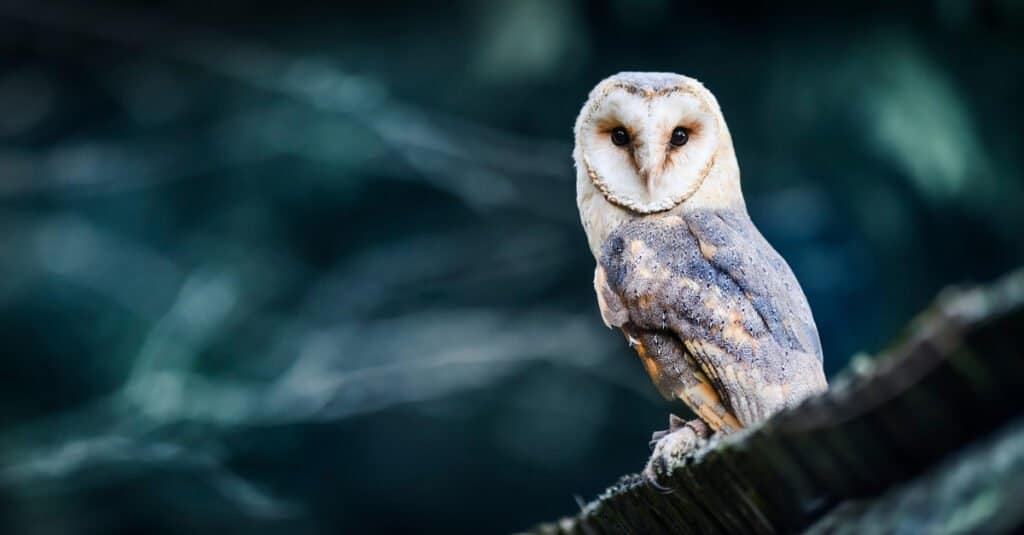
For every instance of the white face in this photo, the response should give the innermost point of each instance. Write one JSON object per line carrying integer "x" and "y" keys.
{"x": 647, "y": 141}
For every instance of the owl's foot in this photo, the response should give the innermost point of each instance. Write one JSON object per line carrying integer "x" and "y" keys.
{"x": 670, "y": 448}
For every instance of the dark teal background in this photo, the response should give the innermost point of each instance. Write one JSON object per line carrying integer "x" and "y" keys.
{"x": 279, "y": 268}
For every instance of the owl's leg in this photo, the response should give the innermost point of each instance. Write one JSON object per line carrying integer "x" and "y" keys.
{"x": 675, "y": 423}
{"x": 670, "y": 447}
{"x": 678, "y": 376}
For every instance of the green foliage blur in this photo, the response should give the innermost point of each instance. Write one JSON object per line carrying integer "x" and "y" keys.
{"x": 284, "y": 268}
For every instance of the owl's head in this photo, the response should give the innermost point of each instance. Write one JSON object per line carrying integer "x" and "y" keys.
{"x": 649, "y": 141}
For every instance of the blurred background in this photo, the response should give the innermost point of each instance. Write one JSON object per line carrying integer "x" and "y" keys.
{"x": 269, "y": 267}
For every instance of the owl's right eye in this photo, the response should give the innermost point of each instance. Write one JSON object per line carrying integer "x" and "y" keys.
{"x": 620, "y": 136}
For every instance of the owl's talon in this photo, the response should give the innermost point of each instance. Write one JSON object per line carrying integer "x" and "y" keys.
{"x": 670, "y": 449}
{"x": 658, "y": 487}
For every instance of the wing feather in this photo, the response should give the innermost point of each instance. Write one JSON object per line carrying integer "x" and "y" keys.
{"x": 712, "y": 281}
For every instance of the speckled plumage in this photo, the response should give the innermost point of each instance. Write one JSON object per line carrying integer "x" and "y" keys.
{"x": 707, "y": 298}
{"x": 714, "y": 312}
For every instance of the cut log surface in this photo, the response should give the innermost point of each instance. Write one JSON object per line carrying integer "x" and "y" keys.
{"x": 930, "y": 431}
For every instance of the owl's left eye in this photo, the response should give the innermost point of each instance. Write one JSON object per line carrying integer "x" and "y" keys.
{"x": 620, "y": 136}
{"x": 679, "y": 137}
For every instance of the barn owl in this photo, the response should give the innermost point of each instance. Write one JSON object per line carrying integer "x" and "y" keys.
{"x": 714, "y": 312}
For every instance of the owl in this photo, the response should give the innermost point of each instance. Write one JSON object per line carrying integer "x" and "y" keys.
{"x": 713, "y": 311}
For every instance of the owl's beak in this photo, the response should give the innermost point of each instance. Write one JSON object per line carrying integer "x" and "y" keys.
{"x": 648, "y": 157}
{"x": 648, "y": 179}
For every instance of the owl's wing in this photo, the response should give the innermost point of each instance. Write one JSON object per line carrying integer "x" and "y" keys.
{"x": 613, "y": 310}
{"x": 733, "y": 246}
{"x": 729, "y": 299}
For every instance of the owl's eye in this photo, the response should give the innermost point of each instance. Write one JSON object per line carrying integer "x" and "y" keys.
{"x": 679, "y": 137}
{"x": 620, "y": 136}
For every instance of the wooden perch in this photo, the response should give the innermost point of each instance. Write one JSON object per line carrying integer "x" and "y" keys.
{"x": 955, "y": 377}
